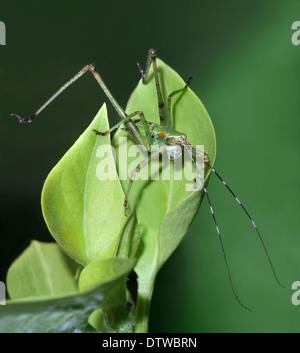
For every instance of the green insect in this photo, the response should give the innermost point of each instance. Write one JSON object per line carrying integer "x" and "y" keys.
{"x": 163, "y": 136}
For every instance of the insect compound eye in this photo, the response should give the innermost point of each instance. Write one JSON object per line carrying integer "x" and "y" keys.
{"x": 170, "y": 141}
{"x": 183, "y": 136}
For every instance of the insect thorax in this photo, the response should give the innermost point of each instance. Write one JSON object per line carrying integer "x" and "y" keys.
{"x": 159, "y": 135}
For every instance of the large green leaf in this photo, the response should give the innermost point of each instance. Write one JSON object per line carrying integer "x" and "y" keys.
{"x": 42, "y": 270}
{"x": 84, "y": 214}
{"x": 165, "y": 209}
{"x": 63, "y": 314}
{"x": 116, "y": 318}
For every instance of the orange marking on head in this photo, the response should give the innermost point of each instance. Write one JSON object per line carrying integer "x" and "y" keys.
{"x": 162, "y": 134}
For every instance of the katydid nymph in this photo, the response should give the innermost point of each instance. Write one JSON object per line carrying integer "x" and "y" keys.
{"x": 162, "y": 135}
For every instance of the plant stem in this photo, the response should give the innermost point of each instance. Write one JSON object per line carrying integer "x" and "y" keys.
{"x": 145, "y": 290}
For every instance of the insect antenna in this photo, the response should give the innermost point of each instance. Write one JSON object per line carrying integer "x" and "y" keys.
{"x": 252, "y": 221}
{"x": 186, "y": 147}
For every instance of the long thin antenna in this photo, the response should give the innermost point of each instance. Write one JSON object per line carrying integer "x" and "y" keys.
{"x": 217, "y": 228}
{"x": 252, "y": 221}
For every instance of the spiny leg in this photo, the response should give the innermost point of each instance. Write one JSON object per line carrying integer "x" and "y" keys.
{"x": 137, "y": 139}
{"x": 252, "y": 221}
{"x": 216, "y": 226}
{"x": 141, "y": 165}
{"x": 145, "y": 73}
{"x": 130, "y": 125}
{"x": 205, "y": 161}
{"x": 203, "y": 155}
{"x": 164, "y": 121}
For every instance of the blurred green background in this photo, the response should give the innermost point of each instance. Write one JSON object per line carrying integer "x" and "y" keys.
{"x": 245, "y": 70}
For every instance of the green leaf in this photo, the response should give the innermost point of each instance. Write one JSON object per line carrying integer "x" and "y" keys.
{"x": 103, "y": 271}
{"x": 64, "y": 314}
{"x": 42, "y": 270}
{"x": 84, "y": 214}
{"x": 116, "y": 318}
{"x": 98, "y": 319}
{"x": 165, "y": 209}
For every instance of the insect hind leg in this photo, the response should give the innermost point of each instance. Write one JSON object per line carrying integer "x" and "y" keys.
{"x": 88, "y": 68}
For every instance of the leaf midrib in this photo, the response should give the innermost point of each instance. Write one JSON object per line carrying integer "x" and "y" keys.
{"x": 85, "y": 235}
